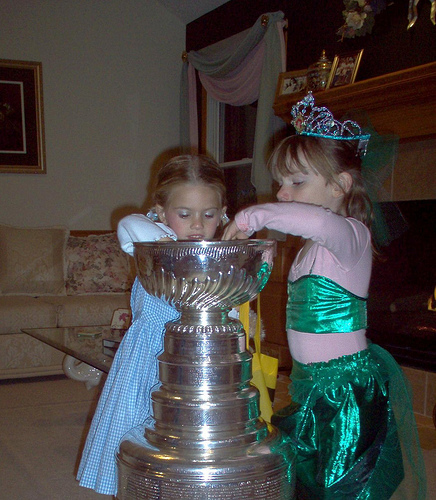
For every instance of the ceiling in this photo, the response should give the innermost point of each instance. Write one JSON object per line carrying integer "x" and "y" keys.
{"x": 189, "y": 10}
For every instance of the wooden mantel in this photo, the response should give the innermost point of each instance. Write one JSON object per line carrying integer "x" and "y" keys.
{"x": 402, "y": 103}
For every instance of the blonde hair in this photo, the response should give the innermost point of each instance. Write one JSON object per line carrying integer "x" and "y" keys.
{"x": 328, "y": 158}
{"x": 193, "y": 169}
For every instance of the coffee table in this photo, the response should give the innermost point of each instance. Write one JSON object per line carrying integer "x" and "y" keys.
{"x": 83, "y": 343}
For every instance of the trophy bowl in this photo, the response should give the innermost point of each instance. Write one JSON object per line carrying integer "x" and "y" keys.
{"x": 205, "y": 275}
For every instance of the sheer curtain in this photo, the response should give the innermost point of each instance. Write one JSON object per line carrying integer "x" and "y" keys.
{"x": 238, "y": 71}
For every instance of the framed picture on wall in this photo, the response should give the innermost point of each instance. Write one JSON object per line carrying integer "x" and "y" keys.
{"x": 22, "y": 146}
{"x": 344, "y": 69}
{"x": 292, "y": 82}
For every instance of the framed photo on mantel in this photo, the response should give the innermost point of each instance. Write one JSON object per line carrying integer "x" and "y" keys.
{"x": 22, "y": 145}
{"x": 344, "y": 69}
{"x": 291, "y": 82}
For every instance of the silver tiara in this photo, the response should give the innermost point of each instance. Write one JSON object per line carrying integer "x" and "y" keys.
{"x": 311, "y": 120}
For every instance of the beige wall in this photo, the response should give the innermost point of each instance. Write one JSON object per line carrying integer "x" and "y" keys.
{"x": 414, "y": 176}
{"x": 111, "y": 74}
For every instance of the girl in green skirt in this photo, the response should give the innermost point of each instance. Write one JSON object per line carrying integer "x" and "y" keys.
{"x": 351, "y": 423}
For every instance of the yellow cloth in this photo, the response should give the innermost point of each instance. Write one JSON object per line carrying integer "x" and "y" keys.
{"x": 264, "y": 367}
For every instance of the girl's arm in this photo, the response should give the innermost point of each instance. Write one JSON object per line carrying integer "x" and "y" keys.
{"x": 138, "y": 227}
{"x": 344, "y": 237}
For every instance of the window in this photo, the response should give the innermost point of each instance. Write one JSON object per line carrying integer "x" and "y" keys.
{"x": 230, "y": 139}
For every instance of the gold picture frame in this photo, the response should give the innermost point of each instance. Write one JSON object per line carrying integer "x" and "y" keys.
{"x": 344, "y": 69}
{"x": 22, "y": 143}
{"x": 292, "y": 82}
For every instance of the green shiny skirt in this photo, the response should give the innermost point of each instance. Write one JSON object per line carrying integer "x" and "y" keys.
{"x": 352, "y": 428}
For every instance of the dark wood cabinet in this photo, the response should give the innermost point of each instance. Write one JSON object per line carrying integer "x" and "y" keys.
{"x": 273, "y": 302}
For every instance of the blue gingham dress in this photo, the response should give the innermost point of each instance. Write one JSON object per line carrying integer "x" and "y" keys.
{"x": 125, "y": 399}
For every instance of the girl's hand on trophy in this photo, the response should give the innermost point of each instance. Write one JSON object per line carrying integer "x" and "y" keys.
{"x": 232, "y": 232}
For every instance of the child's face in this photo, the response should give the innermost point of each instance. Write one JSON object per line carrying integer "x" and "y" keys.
{"x": 309, "y": 188}
{"x": 193, "y": 211}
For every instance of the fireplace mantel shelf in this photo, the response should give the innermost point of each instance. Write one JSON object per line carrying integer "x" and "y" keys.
{"x": 402, "y": 103}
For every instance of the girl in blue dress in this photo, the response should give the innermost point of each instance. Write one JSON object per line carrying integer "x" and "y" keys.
{"x": 190, "y": 204}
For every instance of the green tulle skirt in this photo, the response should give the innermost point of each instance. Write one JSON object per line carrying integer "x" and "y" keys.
{"x": 352, "y": 428}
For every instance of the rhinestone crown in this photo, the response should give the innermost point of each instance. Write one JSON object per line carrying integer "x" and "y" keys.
{"x": 311, "y": 120}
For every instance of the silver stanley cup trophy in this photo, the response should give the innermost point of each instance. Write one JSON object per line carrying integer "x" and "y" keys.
{"x": 206, "y": 439}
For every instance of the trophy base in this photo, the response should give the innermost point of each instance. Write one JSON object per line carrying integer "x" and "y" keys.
{"x": 263, "y": 470}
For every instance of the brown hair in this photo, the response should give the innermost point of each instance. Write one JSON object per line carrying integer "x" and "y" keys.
{"x": 329, "y": 158}
{"x": 193, "y": 169}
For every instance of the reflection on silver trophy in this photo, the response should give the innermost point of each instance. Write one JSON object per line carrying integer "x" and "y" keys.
{"x": 206, "y": 439}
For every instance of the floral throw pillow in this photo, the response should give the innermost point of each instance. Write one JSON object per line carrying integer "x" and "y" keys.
{"x": 96, "y": 264}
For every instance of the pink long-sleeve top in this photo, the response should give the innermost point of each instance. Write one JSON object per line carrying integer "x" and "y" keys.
{"x": 341, "y": 252}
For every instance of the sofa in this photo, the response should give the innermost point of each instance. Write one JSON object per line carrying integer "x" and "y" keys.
{"x": 51, "y": 277}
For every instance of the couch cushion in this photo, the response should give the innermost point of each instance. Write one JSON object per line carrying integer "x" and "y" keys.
{"x": 32, "y": 260}
{"x": 96, "y": 264}
{"x": 89, "y": 310}
{"x": 18, "y": 312}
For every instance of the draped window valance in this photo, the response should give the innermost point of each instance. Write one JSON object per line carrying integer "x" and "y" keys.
{"x": 238, "y": 71}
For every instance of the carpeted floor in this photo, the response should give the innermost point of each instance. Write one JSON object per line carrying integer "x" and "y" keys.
{"x": 43, "y": 425}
